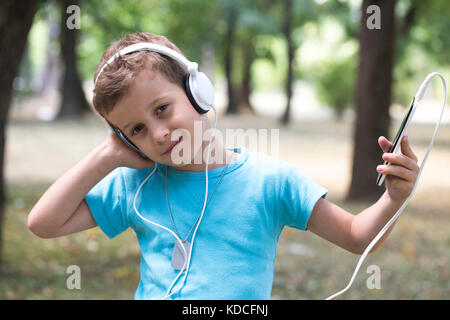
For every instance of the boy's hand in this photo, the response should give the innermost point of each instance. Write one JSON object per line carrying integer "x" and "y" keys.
{"x": 401, "y": 171}
{"x": 122, "y": 155}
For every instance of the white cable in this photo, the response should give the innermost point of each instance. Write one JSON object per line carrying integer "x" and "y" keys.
{"x": 201, "y": 215}
{"x": 188, "y": 261}
{"x": 418, "y": 96}
{"x": 158, "y": 225}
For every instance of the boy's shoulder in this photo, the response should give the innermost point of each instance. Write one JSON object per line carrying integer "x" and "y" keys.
{"x": 125, "y": 178}
{"x": 270, "y": 164}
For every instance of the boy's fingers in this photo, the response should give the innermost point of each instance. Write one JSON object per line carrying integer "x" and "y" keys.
{"x": 401, "y": 160}
{"x": 406, "y": 149}
{"x": 397, "y": 171}
{"x": 385, "y": 144}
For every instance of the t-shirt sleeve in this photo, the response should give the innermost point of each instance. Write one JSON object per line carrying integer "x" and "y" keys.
{"x": 108, "y": 203}
{"x": 298, "y": 196}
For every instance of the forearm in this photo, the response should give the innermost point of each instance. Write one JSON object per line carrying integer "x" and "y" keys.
{"x": 354, "y": 233}
{"x": 367, "y": 224}
{"x": 61, "y": 200}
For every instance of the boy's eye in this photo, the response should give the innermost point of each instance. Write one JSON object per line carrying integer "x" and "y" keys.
{"x": 161, "y": 108}
{"x": 139, "y": 127}
{"x": 136, "y": 130}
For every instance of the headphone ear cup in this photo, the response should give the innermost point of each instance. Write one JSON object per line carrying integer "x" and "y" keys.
{"x": 189, "y": 95}
{"x": 200, "y": 91}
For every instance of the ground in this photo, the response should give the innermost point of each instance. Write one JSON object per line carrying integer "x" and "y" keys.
{"x": 412, "y": 263}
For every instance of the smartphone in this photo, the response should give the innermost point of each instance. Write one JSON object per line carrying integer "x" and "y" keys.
{"x": 398, "y": 138}
{"x": 125, "y": 140}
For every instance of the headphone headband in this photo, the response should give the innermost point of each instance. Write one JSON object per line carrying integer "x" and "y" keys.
{"x": 190, "y": 67}
{"x": 199, "y": 88}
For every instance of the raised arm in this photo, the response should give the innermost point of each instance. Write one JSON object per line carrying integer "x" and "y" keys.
{"x": 355, "y": 232}
{"x": 62, "y": 209}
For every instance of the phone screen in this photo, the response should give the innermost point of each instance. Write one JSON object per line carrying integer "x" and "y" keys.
{"x": 398, "y": 135}
{"x": 402, "y": 126}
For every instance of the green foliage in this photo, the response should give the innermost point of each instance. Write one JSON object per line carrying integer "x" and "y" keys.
{"x": 191, "y": 25}
{"x": 335, "y": 84}
{"x": 103, "y": 22}
{"x": 422, "y": 32}
{"x": 422, "y": 45}
{"x": 432, "y": 28}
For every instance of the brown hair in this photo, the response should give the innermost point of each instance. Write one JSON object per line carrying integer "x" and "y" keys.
{"x": 116, "y": 78}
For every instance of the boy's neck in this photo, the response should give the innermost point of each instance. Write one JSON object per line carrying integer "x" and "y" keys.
{"x": 227, "y": 157}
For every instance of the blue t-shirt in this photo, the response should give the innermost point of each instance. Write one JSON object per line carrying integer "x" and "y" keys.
{"x": 235, "y": 245}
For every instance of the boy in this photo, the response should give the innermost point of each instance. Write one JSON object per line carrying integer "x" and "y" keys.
{"x": 254, "y": 197}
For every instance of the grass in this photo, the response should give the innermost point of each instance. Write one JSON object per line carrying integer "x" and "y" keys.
{"x": 413, "y": 262}
{"x": 35, "y": 268}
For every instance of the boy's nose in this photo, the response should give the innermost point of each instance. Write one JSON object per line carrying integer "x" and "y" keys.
{"x": 161, "y": 135}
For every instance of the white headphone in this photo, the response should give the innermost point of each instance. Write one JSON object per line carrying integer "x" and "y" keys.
{"x": 199, "y": 88}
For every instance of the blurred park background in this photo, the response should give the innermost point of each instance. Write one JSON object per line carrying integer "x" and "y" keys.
{"x": 331, "y": 75}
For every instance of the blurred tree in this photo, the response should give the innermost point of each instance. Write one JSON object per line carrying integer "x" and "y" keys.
{"x": 16, "y": 18}
{"x": 228, "y": 28}
{"x": 413, "y": 24}
{"x": 188, "y": 29}
{"x": 294, "y": 15}
{"x": 197, "y": 41}
{"x": 247, "y": 21}
{"x": 230, "y": 13}
{"x": 335, "y": 84}
{"x": 422, "y": 23}
{"x": 248, "y": 56}
{"x": 73, "y": 100}
{"x": 287, "y": 31}
{"x": 407, "y": 12}
{"x": 50, "y": 75}
{"x": 422, "y": 45}
{"x": 243, "y": 22}
{"x": 373, "y": 98}
{"x": 256, "y": 20}
{"x": 105, "y": 21}
{"x": 334, "y": 76}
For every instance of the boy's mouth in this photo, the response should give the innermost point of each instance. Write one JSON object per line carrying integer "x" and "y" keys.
{"x": 172, "y": 146}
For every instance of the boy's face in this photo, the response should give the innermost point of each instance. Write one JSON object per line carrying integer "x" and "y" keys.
{"x": 150, "y": 111}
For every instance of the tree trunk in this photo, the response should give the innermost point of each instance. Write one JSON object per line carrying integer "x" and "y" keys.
{"x": 373, "y": 98}
{"x": 73, "y": 102}
{"x": 287, "y": 29}
{"x": 246, "y": 85}
{"x": 49, "y": 78}
{"x": 229, "y": 40}
{"x": 16, "y": 18}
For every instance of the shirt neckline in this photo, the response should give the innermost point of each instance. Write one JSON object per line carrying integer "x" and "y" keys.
{"x": 201, "y": 175}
